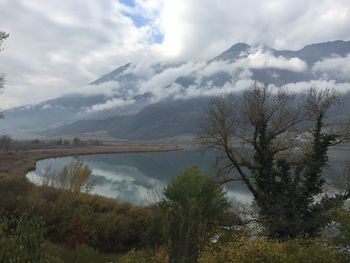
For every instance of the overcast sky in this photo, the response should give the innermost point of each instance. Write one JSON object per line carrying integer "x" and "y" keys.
{"x": 58, "y": 46}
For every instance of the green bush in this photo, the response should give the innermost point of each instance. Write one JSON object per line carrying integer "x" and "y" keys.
{"x": 15, "y": 195}
{"x": 144, "y": 256}
{"x": 270, "y": 251}
{"x": 20, "y": 239}
{"x": 243, "y": 250}
{"x": 340, "y": 228}
{"x": 192, "y": 207}
{"x": 53, "y": 253}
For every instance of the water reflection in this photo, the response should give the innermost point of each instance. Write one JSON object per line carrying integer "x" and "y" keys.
{"x": 138, "y": 178}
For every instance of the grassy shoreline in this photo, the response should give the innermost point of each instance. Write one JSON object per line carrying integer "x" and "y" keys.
{"x": 20, "y": 162}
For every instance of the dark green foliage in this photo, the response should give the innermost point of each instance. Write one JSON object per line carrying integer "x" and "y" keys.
{"x": 288, "y": 206}
{"x": 339, "y": 229}
{"x": 76, "y": 141}
{"x": 192, "y": 206}
{"x": 15, "y": 195}
{"x": 283, "y": 173}
{"x": 20, "y": 239}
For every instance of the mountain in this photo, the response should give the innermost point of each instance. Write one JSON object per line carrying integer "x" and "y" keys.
{"x": 315, "y": 52}
{"x": 164, "y": 100}
{"x": 232, "y": 53}
{"x": 160, "y": 120}
{"x": 72, "y": 107}
{"x": 166, "y": 119}
{"x": 310, "y": 55}
{"x": 65, "y": 109}
{"x": 116, "y": 75}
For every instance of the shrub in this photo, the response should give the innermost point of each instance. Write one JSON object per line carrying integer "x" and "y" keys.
{"x": 102, "y": 223}
{"x": 339, "y": 228}
{"x": 20, "y": 239}
{"x": 144, "y": 256}
{"x": 14, "y": 195}
{"x": 76, "y": 178}
{"x": 192, "y": 207}
{"x": 262, "y": 250}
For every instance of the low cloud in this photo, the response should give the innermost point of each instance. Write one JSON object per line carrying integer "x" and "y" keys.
{"x": 211, "y": 90}
{"x": 158, "y": 84}
{"x": 319, "y": 84}
{"x": 257, "y": 58}
{"x": 163, "y": 84}
{"x": 108, "y": 89}
{"x": 62, "y": 45}
{"x": 336, "y": 67}
{"x": 218, "y": 66}
{"x": 110, "y": 104}
{"x": 261, "y": 59}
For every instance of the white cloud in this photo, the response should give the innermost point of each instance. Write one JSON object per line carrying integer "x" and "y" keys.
{"x": 158, "y": 83}
{"x": 319, "y": 84}
{"x": 256, "y": 59}
{"x": 108, "y": 89}
{"x": 142, "y": 68}
{"x": 58, "y": 46}
{"x": 211, "y": 90}
{"x": 261, "y": 59}
{"x": 338, "y": 67}
{"x": 218, "y": 66}
{"x": 202, "y": 28}
{"x": 110, "y": 104}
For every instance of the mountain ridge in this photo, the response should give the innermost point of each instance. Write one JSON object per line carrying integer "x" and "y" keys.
{"x": 129, "y": 98}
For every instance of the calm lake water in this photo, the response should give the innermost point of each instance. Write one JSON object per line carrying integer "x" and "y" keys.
{"x": 139, "y": 178}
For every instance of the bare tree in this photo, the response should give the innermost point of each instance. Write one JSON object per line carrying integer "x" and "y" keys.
{"x": 3, "y": 36}
{"x": 260, "y": 137}
{"x": 6, "y": 142}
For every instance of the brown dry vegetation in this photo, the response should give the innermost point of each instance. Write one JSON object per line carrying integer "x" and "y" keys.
{"x": 74, "y": 219}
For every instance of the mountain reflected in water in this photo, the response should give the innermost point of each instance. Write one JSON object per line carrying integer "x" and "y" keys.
{"x": 139, "y": 178}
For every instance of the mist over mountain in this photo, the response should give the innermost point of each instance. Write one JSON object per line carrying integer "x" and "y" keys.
{"x": 164, "y": 119}
{"x": 154, "y": 100}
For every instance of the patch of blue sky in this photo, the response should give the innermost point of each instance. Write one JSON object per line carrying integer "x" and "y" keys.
{"x": 138, "y": 20}
{"x": 157, "y": 37}
{"x": 130, "y": 3}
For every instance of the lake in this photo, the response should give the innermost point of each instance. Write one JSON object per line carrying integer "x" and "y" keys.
{"x": 139, "y": 178}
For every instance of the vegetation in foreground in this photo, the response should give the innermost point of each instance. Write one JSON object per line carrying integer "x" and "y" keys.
{"x": 193, "y": 223}
{"x": 295, "y": 219}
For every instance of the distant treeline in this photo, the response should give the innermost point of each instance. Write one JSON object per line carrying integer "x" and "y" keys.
{"x": 7, "y": 143}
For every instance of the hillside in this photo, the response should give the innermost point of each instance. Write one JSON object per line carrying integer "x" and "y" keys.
{"x": 130, "y": 102}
